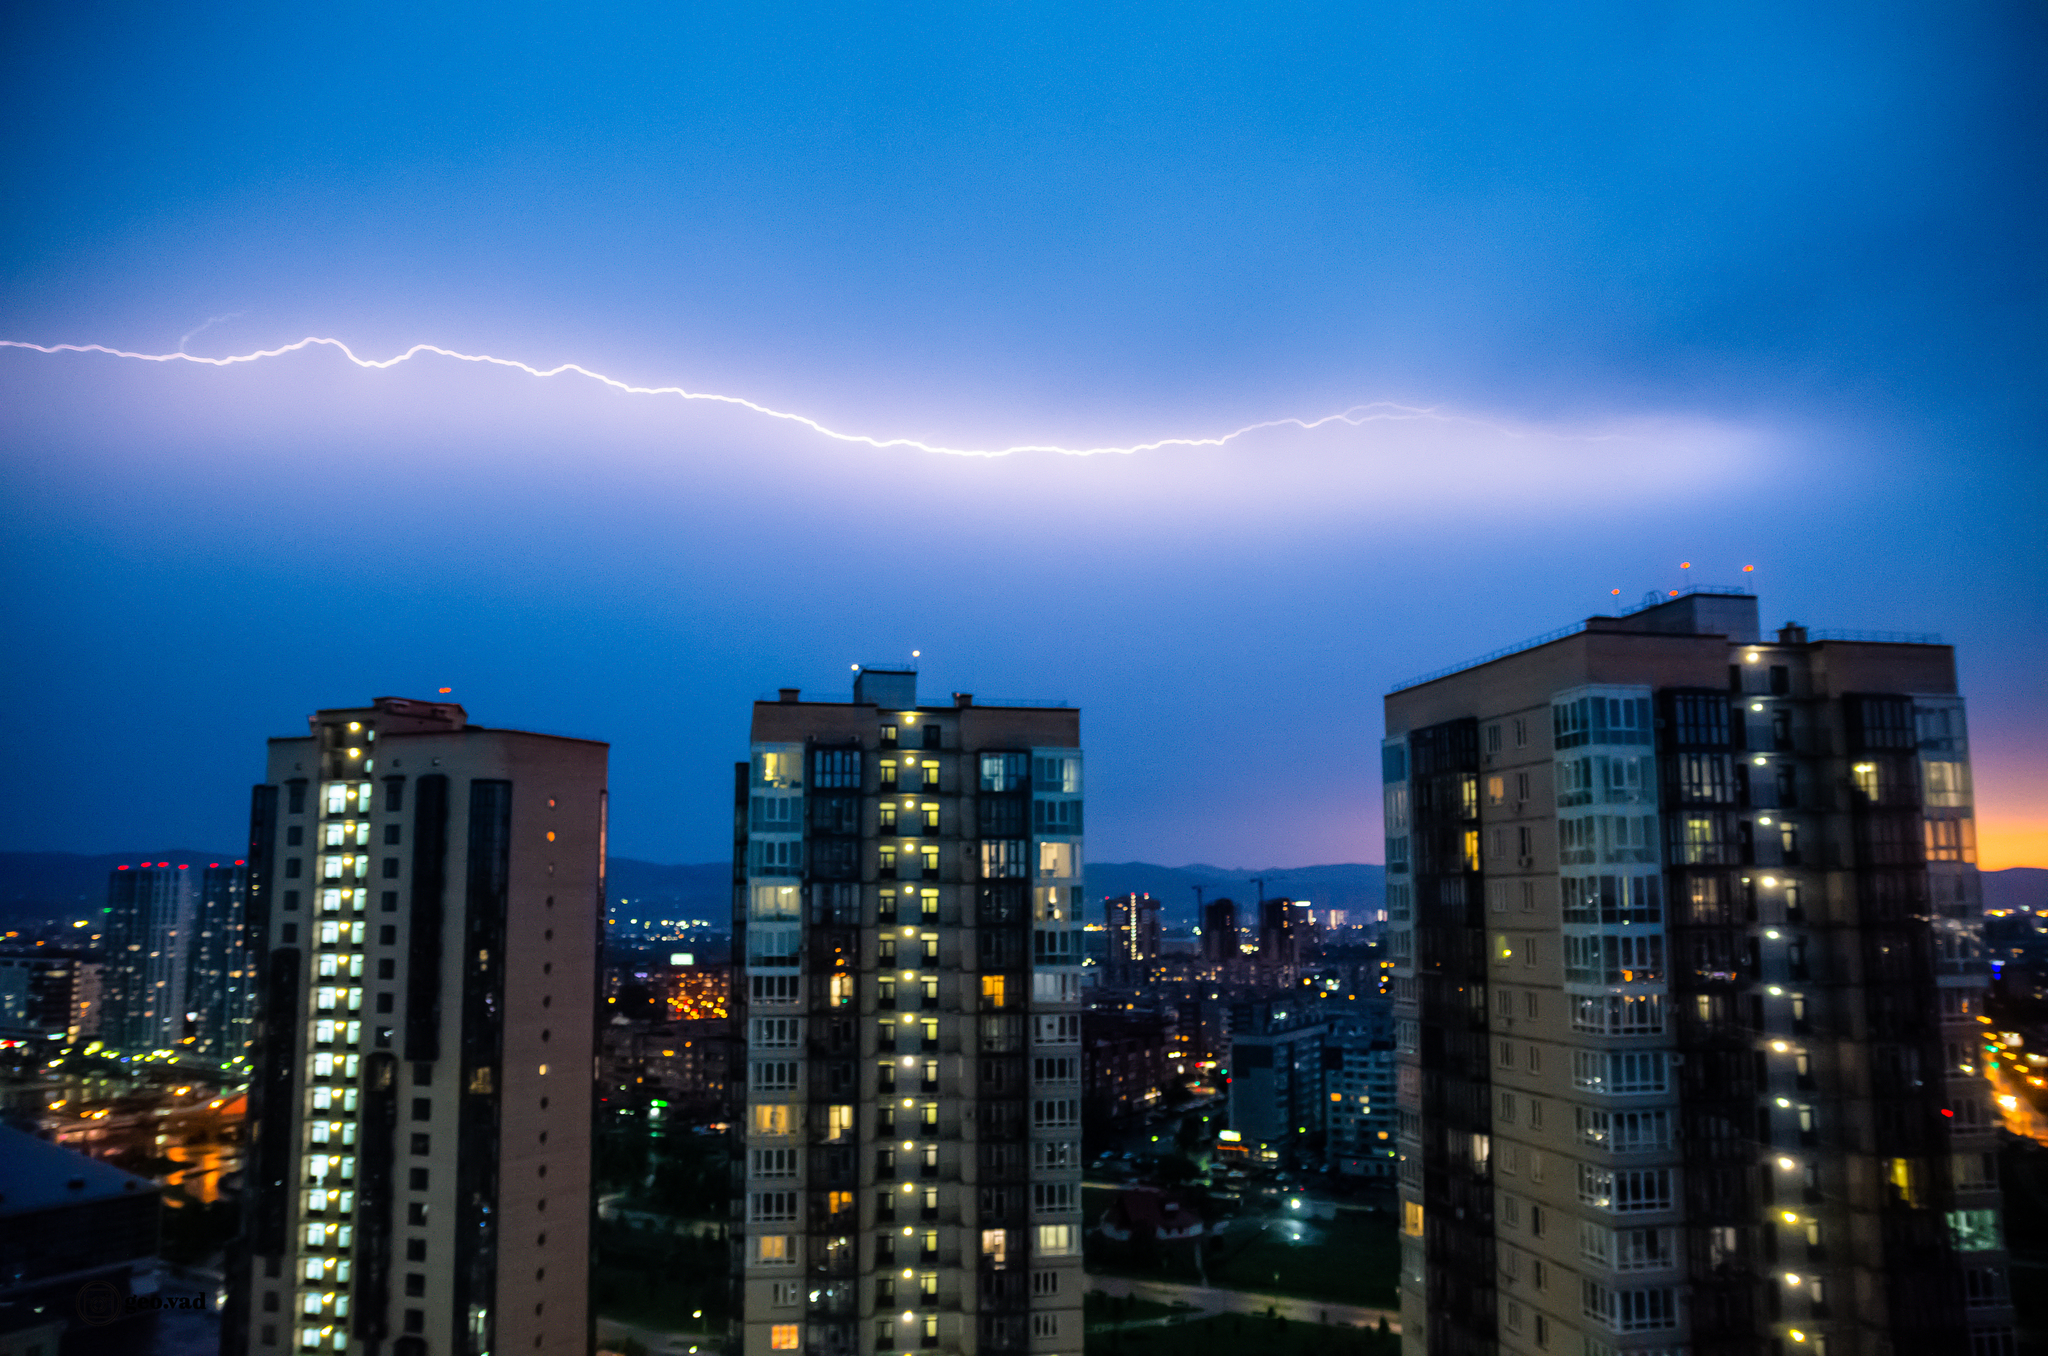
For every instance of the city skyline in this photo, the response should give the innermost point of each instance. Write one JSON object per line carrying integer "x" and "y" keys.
{"x": 1679, "y": 277}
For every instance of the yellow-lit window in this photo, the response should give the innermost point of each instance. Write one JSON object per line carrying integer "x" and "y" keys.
{"x": 838, "y": 1122}
{"x": 784, "y": 1337}
{"x": 841, "y": 990}
{"x": 1471, "y": 849}
{"x": 837, "y": 1201}
{"x": 1496, "y": 790}
{"x": 888, "y": 774}
{"x": 774, "y": 1248}
{"x": 931, "y": 817}
{"x": 1411, "y": 1218}
{"x": 995, "y": 1245}
{"x": 992, "y": 991}
{"x": 772, "y": 1119}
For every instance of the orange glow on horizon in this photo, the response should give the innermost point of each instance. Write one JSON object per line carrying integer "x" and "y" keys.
{"x": 2004, "y": 842}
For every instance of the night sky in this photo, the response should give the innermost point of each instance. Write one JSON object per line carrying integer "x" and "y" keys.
{"x": 1724, "y": 284}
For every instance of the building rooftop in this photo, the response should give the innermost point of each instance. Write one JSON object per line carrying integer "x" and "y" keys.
{"x": 36, "y": 1175}
{"x": 1703, "y": 610}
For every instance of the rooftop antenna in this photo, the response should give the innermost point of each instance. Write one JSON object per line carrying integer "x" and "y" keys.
{"x": 1260, "y": 881}
{"x": 1199, "y": 902}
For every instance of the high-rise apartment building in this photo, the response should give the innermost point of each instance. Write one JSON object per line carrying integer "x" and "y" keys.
{"x": 219, "y": 978}
{"x": 149, "y": 937}
{"x": 1686, "y": 925}
{"x": 908, "y": 913}
{"x": 1133, "y": 922}
{"x": 424, "y": 901}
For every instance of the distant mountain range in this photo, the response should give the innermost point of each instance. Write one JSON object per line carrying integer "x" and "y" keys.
{"x": 39, "y": 886}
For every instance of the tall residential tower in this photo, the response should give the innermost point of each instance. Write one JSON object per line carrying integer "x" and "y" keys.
{"x": 423, "y": 914}
{"x": 1685, "y": 924}
{"x": 149, "y": 935}
{"x": 908, "y": 911}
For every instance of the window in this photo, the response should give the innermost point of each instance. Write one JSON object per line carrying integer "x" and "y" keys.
{"x": 1630, "y": 1310}
{"x": 1493, "y": 738}
{"x": 1631, "y": 1189}
{"x": 1004, "y": 771}
{"x": 1045, "y": 1283}
{"x": 1055, "y": 1240}
{"x": 1951, "y": 840}
{"x": 831, "y": 769}
{"x": 1521, "y": 727}
{"x": 1062, "y": 774}
{"x": 1057, "y": 859}
{"x": 1496, "y": 788}
{"x": 773, "y": 1207}
{"x": 773, "y": 1119}
{"x": 1055, "y": 1113}
{"x": 773, "y": 1075}
{"x": 774, "y": 1248}
{"x": 774, "y": 1163}
{"x": 1005, "y": 857}
{"x": 1052, "y": 1198}
{"x": 1974, "y": 1230}
{"x": 1045, "y": 1325}
{"x": 995, "y": 1246}
{"x": 776, "y": 901}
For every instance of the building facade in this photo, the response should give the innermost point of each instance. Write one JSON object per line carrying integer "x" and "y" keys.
{"x": 1277, "y": 1073}
{"x": 907, "y": 911}
{"x": 150, "y": 910}
{"x": 1685, "y": 923}
{"x": 424, "y": 902}
{"x": 219, "y": 979}
{"x": 1133, "y": 922}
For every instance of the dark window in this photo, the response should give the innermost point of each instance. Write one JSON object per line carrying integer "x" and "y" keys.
{"x": 294, "y": 835}
{"x": 1699, "y": 719}
{"x": 932, "y": 737}
{"x": 422, "y": 1075}
{"x": 416, "y": 1213}
{"x": 415, "y": 1283}
{"x": 391, "y": 866}
{"x": 291, "y": 900}
{"x": 291, "y": 868}
{"x": 384, "y": 999}
{"x": 421, "y": 1144}
{"x": 835, "y": 768}
{"x": 390, "y": 833}
{"x": 394, "y": 801}
{"x": 291, "y": 933}
{"x": 417, "y": 1180}
{"x": 415, "y": 1320}
{"x": 415, "y": 1249}
{"x": 387, "y": 968}
{"x": 387, "y": 935}
{"x": 422, "y": 1109}
{"x": 270, "y": 1334}
{"x": 384, "y": 1032}
{"x": 1000, "y": 818}
{"x": 295, "y": 798}
{"x": 1781, "y": 680}
{"x": 270, "y": 1301}
{"x": 390, "y": 901}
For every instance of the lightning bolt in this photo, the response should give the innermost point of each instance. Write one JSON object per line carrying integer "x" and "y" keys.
{"x": 1378, "y": 411}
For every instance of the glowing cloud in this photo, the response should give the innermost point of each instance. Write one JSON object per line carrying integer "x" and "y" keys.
{"x": 1379, "y": 411}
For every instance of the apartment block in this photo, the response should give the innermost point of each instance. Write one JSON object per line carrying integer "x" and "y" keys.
{"x": 219, "y": 978}
{"x": 423, "y": 912}
{"x": 150, "y": 910}
{"x": 908, "y": 913}
{"x": 1686, "y": 928}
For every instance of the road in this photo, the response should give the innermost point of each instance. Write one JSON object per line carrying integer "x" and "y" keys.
{"x": 1210, "y": 1300}
{"x": 610, "y": 1332}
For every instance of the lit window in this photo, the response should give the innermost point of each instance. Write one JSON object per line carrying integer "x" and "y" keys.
{"x": 784, "y": 1337}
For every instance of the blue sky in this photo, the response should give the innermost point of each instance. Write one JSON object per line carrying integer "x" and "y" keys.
{"x": 1731, "y": 284}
